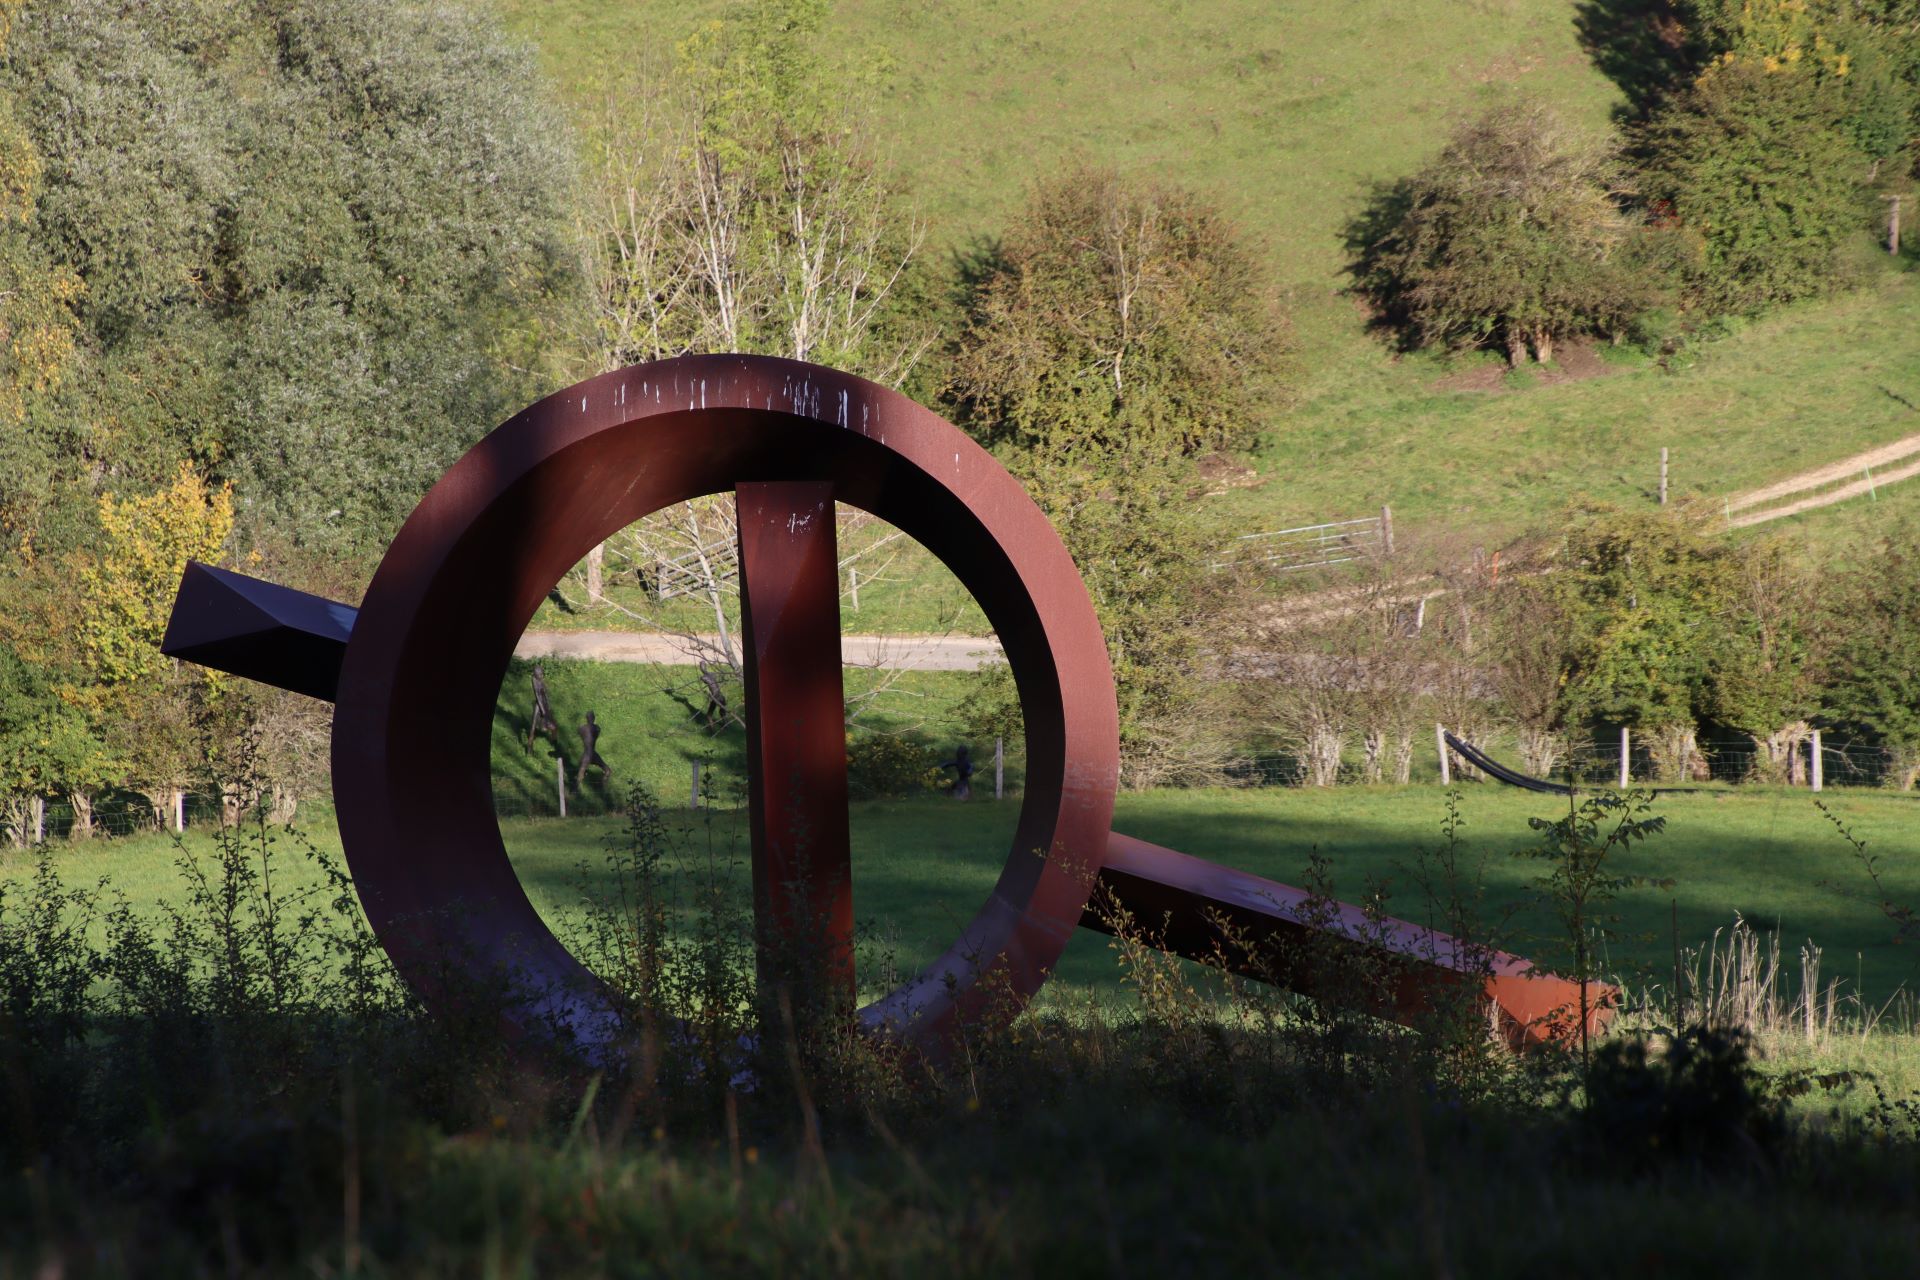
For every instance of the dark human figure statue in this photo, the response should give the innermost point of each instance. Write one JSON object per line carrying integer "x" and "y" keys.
{"x": 962, "y": 766}
{"x": 716, "y": 712}
{"x": 590, "y": 758}
{"x": 543, "y": 724}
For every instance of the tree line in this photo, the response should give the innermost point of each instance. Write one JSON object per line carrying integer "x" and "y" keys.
{"x": 1648, "y": 619}
{"x": 270, "y": 265}
{"x": 1763, "y": 143}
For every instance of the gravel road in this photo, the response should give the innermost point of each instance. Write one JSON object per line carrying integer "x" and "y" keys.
{"x": 903, "y": 653}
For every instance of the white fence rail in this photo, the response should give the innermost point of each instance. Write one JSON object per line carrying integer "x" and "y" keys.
{"x": 688, "y": 574}
{"x": 1311, "y": 546}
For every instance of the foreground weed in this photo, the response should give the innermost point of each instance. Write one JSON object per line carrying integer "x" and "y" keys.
{"x": 1580, "y": 886}
{"x": 1906, "y": 924}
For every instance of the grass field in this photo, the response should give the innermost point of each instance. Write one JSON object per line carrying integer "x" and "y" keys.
{"x": 1278, "y": 111}
{"x": 922, "y": 867}
{"x": 1803, "y": 387}
{"x": 905, "y": 591}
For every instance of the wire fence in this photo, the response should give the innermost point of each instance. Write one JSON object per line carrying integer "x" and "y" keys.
{"x": 1841, "y": 765}
{"x": 1730, "y": 763}
{"x": 120, "y": 814}
{"x": 1727, "y": 763}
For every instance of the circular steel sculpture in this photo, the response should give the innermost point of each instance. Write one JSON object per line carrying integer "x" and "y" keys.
{"x": 422, "y": 667}
{"x": 416, "y": 670}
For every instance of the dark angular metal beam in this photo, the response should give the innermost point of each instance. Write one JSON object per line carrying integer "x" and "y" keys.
{"x": 259, "y": 630}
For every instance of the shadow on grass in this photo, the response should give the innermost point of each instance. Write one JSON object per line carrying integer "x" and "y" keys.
{"x": 1640, "y": 45}
{"x": 923, "y": 868}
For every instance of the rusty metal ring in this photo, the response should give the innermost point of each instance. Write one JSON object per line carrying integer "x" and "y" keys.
{"x": 460, "y": 582}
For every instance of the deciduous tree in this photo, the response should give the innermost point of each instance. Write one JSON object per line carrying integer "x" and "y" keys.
{"x": 1533, "y": 657}
{"x": 46, "y": 747}
{"x": 1758, "y": 164}
{"x": 1645, "y": 595}
{"x": 1119, "y": 328}
{"x": 1120, "y": 314}
{"x": 37, "y": 296}
{"x": 316, "y": 240}
{"x": 1763, "y": 663}
{"x": 1872, "y": 674}
{"x": 1515, "y": 235}
{"x": 742, "y": 203}
{"x": 148, "y": 705}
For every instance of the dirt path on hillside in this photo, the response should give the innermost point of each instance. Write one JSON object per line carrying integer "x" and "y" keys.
{"x": 1828, "y": 474}
{"x": 894, "y": 653}
{"x": 1854, "y": 490}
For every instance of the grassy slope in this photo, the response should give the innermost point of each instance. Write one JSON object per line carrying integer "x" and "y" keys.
{"x": 1793, "y": 391}
{"x": 651, "y": 731}
{"x": 1288, "y": 114}
{"x": 904, "y": 591}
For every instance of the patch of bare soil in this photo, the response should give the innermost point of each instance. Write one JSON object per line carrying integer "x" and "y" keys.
{"x": 1572, "y": 362}
{"x": 1482, "y": 377}
{"x": 1219, "y": 473}
{"x": 1575, "y": 362}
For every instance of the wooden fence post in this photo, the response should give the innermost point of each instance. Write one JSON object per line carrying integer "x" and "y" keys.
{"x": 853, "y": 585}
{"x": 1386, "y": 527}
{"x": 1446, "y": 765}
{"x": 1819, "y": 772}
{"x": 1663, "y": 475}
{"x": 560, "y": 782}
{"x": 1626, "y": 767}
{"x": 999, "y": 767}
{"x": 596, "y": 563}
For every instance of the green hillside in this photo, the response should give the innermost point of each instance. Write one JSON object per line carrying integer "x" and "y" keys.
{"x": 1284, "y": 113}
{"x": 1288, "y": 115}
{"x": 1798, "y": 389}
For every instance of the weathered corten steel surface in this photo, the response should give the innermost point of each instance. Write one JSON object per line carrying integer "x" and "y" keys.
{"x": 431, "y": 641}
{"x": 796, "y": 735}
{"x": 416, "y": 669}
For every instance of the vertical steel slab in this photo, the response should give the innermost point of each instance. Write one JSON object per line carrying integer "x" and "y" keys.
{"x": 796, "y": 735}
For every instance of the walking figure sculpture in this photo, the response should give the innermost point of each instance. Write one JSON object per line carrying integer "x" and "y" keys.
{"x": 962, "y": 766}
{"x": 543, "y": 724}
{"x": 589, "y": 756}
{"x": 415, "y": 672}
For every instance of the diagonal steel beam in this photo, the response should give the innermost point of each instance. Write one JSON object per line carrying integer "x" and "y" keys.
{"x": 1276, "y": 933}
